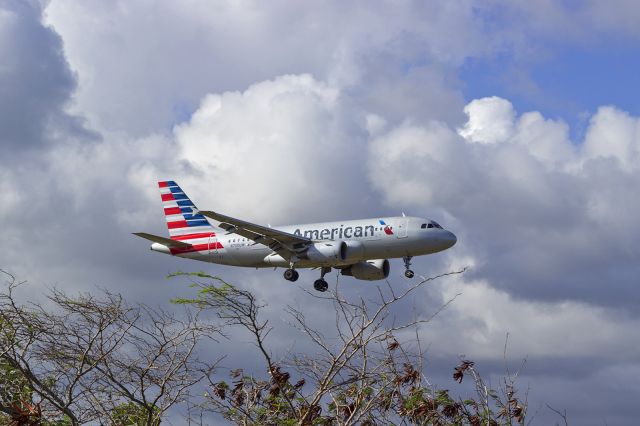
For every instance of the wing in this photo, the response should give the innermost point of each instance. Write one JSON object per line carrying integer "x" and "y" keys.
{"x": 283, "y": 243}
{"x": 162, "y": 240}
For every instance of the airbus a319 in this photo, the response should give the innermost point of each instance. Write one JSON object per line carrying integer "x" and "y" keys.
{"x": 358, "y": 248}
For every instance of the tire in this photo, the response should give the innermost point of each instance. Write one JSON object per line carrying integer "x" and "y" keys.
{"x": 320, "y": 285}
{"x": 290, "y": 275}
{"x": 409, "y": 273}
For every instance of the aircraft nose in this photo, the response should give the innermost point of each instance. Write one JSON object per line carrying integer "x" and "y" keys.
{"x": 450, "y": 238}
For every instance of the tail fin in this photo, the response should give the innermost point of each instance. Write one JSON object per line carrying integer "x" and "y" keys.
{"x": 183, "y": 220}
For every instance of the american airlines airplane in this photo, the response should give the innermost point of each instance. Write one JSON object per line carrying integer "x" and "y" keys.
{"x": 358, "y": 248}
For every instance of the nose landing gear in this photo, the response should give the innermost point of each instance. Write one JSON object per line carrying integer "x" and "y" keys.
{"x": 407, "y": 264}
{"x": 320, "y": 284}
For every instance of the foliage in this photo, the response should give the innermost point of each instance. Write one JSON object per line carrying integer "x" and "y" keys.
{"x": 362, "y": 374}
{"x": 132, "y": 414}
{"x": 86, "y": 358}
{"x": 97, "y": 359}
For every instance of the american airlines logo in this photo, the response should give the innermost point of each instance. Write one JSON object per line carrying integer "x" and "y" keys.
{"x": 387, "y": 228}
{"x": 341, "y": 232}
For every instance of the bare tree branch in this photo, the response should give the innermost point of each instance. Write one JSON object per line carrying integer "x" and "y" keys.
{"x": 86, "y": 357}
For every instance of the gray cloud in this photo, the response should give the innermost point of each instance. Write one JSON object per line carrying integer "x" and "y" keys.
{"x": 156, "y": 63}
{"x": 35, "y": 81}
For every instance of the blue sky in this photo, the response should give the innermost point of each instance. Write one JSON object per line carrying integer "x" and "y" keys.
{"x": 568, "y": 83}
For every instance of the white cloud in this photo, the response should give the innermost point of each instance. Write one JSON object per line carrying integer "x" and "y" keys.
{"x": 409, "y": 164}
{"x": 145, "y": 65}
{"x": 290, "y": 141}
{"x": 155, "y": 61}
{"x": 541, "y": 217}
{"x": 545, "y": 139}
{"x": 477, "y": 323}
{"x": 614, "y": 134}
{"x": 490, "y": 120}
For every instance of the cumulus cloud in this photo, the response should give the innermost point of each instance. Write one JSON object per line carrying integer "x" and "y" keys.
{"x": 490, "y": 120}
{"x": 291, "y": 140}
{"x": 527, "y": 199}
{"x": 156, "y": 63}
{"x": 63, "y": 184}
{"x": 614, "y": 134}
{"x": 481, "y": 317}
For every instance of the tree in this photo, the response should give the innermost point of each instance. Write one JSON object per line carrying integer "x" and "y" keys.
{"x": 16, "y": 396}
{"x": 90, "y": 358}
{"x": 364, "y": 373}
{"x": 96, "y": 358}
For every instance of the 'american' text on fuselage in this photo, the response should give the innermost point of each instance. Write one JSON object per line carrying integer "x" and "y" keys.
{"x": 333, "y": 233}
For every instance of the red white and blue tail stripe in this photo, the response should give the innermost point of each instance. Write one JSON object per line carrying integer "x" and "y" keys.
{"x": 189, "y": 231}
{"x": 183, "y": 221}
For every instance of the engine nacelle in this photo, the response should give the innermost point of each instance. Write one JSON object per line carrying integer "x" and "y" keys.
{"x": 328, "y": 252}
{"x": 355, "y": 250}
{"x": 369, "y": 270}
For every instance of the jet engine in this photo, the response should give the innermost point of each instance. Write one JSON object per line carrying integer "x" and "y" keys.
{"x": 369, "y": 270}
{"x": 329, "y": 252}
{"x": 354, "y": 251}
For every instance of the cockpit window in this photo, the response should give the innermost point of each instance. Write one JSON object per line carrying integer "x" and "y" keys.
{"x": 431, "y": 224}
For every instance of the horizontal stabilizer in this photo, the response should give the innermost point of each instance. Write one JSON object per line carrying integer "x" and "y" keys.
{"x": 162, "y": 240}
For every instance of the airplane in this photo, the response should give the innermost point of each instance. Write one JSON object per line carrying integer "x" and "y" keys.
{"x": 358, "y": 248}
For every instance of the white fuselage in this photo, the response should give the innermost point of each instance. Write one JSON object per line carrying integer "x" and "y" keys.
{"x": 383, "y": 238}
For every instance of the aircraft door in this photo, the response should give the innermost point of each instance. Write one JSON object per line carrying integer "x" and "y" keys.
{"x": 401, "y": 231}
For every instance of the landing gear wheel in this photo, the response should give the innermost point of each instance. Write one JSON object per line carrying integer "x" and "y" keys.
{"x": 407, "y": 265}
{"x": 291, "y": 275}
{"x": 320, "y": 285}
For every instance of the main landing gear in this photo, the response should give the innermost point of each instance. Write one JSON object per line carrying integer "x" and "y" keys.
{"x": 407, "y": 264}
{"x": 320, "y": 284}
{"x": 291, "y": 275}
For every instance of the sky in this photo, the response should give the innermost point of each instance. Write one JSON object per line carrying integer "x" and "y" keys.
{"x": 514, "y": 124}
